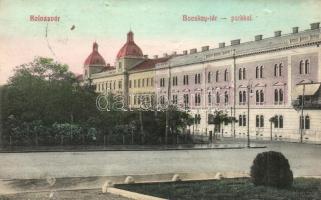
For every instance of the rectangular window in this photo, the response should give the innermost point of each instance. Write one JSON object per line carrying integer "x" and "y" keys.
{"x": 186, "y": 100}
{"x": 244, "y": 120}
{"x": 174, "y": 99}
{"x": 120, "y": 84}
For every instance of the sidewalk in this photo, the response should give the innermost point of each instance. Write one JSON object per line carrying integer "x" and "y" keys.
{"x": 228, "y": 144}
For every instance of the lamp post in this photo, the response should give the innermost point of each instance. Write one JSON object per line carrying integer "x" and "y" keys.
{"x": 249, "y": 94}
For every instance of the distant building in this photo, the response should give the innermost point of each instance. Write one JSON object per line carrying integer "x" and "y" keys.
{"x": 267, "y": 78}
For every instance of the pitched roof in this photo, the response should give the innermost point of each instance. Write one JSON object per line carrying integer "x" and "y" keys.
{"x": 149, "y": 63}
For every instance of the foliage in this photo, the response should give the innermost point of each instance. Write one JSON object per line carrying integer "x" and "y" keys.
{"x": 227, "y": 189}
{"x": 44, "y": 103}
{"x": 271, "y": 169}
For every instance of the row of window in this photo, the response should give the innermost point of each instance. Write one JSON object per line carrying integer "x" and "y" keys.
{"x": 259, "y": 121}
{"x": 145, "y": 82}
{"x": 142, "y": 99}
{"x": 278, "y": 97}
{"x": 304, "y": 68}
{"x": 197, "y": 98}
{"x": 259, "y": 97}
{"x": 217, "y": 76}
{"x": 108, "y": 85}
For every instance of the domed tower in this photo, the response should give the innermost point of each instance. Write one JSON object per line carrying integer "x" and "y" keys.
{"x": 94, "y": 63}
{"x": 129, "y": 55}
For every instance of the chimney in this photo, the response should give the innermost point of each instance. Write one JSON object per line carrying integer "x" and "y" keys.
{"x": 315, "y": 26}
{"x": 221, "y": 45}
{"x": 277, "y": 33}
{"x": 155, "y": 56}
{"x": 146, "y": 56}
{"x": 258, "y": 37}
{"x": 165, "y": 54}
{"x": 191, "y": 51}
{"x": 185, "y": 52}
{"x": 235, "y": 42}
{"x": 205, "y": 48}
{"x": 295, "y": 29}
{"x": 174, "y": 53}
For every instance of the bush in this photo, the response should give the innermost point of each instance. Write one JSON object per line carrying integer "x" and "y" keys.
{"x": 271, "y": 169}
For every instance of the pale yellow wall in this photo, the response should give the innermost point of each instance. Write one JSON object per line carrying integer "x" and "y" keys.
{"x": 145, "y": 85}
{"x": 107, "y": 82}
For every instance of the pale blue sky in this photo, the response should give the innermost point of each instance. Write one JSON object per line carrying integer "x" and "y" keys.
{"x": 157, "y": 25}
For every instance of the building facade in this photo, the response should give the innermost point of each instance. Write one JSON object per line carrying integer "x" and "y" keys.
{"x": 270, "y": 86}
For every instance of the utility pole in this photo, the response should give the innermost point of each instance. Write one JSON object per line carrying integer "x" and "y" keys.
{"x": 234, "y": 90}
{"x": 301, "y": 117}
{"x": 248, "y": 115}
{"x": 168, "y": 104}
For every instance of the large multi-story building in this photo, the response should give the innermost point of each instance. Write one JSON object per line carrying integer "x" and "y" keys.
{"x": 269, "y": 78}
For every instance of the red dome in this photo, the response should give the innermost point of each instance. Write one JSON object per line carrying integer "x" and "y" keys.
{"x": 95, "y": 58}
{"x": 130, "y": 48}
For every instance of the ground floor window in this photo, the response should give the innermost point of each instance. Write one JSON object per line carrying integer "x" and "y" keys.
{"x": 259, "y": 121}
{"x": 304, "y": 122}
{"x": 197, "y": 119}
{"x": 242, "y": 120}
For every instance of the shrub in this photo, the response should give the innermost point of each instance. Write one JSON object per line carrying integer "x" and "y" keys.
{"x": 271, "y": 169}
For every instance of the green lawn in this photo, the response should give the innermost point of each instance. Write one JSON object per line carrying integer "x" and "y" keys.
{"x": 63, "y": 195}
{"x": 229, "y": 189}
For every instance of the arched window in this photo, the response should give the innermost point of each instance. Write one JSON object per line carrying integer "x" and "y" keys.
{"x": 240, "y": 120}
{"x": 195, "y": 78}
{"x": 281, "y": 95}
{"x": 257, "y": 72}
{"x": 276, "y": 122}
{"x": 307, "y": 67}
{"x": 276, "y": 96}
{"x": 257, "y": 96}
{"x": 261, "y": 71}
{"x": 240, "y": 74}
{"x": 280, "y": 121}
{"x": 209, "y": 77}
{"x": 301, "y": 122}
{"x": 226, "y": 97}
{"x": 217, "y": 97}
{"x": 209, "y": 98}
{"x": 301, "y": 67}
{"x": 244, "y": 120}
{"x": 244, "y": 73}
{"x": 280, "y": 69}
{"x": 276, "y": 69}
{"x": 261, "y": 121}
{"x": 257, "y": 121}
{"x": 261, "y": 96}
{"x": 307, "y": 122}
{"x": 240, "y": 97}
{"x": 217, "y": 76}
{"x": 225, "y": 75}
{"x": 244, "y": 96}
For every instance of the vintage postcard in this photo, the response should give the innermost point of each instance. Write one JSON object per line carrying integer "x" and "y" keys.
{"x": 160, "y": 99}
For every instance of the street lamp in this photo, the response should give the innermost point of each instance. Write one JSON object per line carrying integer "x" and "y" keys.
{"x": 249, "y": 94}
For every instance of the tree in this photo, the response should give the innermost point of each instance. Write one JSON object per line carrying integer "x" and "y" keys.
{"x": 272, "y": 121}
{"x": 271, "y": 169}
{"x": 218, "y": 118}
{"x": 45, "y": 90}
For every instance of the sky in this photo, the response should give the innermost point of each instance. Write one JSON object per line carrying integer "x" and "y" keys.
{"x": 158, "y": 26}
